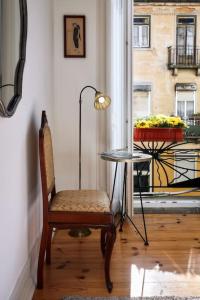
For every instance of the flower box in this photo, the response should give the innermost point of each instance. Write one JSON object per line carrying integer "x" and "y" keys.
{"x": 159, "y": 134}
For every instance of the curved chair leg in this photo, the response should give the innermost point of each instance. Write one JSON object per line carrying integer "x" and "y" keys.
{"x": 48, "y": 248}
{"x": 43, "y": 245}
{"x": 110, "y": 240}
{"x": 103, "y": 240}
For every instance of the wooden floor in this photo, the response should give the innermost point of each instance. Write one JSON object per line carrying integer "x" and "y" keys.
{"x": 170, "y": 265}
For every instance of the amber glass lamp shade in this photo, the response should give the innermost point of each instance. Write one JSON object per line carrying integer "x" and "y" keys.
{"x": 101, "y": 101}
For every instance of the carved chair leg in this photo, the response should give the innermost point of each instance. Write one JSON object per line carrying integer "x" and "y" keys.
{"x": 103, "y": 240}
{"x": 48, "y": 249}
{"x": 110, "y": 240}
{"x": 43, "y": 245}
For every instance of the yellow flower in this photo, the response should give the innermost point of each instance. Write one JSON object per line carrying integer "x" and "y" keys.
{"x": 160, "y": 121}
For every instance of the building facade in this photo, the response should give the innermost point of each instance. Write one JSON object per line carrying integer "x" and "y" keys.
{"x": 166, "y": 56}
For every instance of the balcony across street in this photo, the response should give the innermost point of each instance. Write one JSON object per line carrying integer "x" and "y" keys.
{"x": 184, "y": 58}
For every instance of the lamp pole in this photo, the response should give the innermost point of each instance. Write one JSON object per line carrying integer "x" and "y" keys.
{"x": 80, "y": 128}
{"x": 101, "y": 102}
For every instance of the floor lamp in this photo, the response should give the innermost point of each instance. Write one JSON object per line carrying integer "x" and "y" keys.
{"x": 101, "y": 102}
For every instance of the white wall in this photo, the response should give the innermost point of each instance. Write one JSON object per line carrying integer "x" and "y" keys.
{"x": 71, "y": 75}
{"x": 20, "y": 191}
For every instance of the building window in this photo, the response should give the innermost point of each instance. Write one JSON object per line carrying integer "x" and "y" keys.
{"x": 185, "y": 104}
{"x": 141, "y": 31}
{"x": 186, "y": 39}
{"x": 141, "y": 100}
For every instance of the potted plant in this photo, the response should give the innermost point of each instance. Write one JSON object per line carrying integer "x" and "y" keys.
{"x": 159, "y": 128}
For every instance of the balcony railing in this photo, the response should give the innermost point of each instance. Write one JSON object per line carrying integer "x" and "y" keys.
{"x": 173, "y": 165}
{"x": 193, "y": 121}
{"x": 183, "y": 57}
{"x": 192, "y": 132}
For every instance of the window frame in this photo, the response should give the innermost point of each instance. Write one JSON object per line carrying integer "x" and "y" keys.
{"x": 139, "y": 87}
{"x": 140, "y": 25}
{"x": 194, "y": 100}
{"x": 195, "y": 27}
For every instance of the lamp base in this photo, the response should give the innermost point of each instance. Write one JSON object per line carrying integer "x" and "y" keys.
{"x": 80, "y": 232}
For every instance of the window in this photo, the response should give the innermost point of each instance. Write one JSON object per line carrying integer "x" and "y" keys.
{"x": 141, "y": 32}
{"x": 141, "y": 100}
{"x": 186, "y": 39}
{"x": 185, "y": 104}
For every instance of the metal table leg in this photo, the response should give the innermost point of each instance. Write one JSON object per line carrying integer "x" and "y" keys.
{"x": 124, "y": 213}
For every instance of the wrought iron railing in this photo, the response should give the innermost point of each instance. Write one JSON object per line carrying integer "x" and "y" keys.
{"x": 194, "y": 121}
{"x": 174, "y": 165}
{"x": 187, "y": 57}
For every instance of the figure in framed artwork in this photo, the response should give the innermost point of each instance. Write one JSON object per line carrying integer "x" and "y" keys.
{"x": 74, "y": 36}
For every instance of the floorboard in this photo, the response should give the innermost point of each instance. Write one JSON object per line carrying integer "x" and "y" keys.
{"x": 170, "y": 265}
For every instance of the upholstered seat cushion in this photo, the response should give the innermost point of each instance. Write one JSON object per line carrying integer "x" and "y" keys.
{"x": 81, "y": 201}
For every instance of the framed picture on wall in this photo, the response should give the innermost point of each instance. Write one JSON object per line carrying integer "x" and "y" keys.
{"x": 74, "y": 36}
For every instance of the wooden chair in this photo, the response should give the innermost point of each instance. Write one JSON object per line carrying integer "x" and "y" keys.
{"x": 70, "y": 209}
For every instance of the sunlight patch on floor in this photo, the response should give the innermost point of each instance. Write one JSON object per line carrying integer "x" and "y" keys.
{"x": 155, "y": 282}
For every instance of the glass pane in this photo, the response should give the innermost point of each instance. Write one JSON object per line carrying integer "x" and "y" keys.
{"x": 189, "y": 108}
{"x": 190, "y": 36}
{"x": 190, "y": 40}
{"x": 136, "y": 36}
{"x": 181, "y": 109}
{"x": 141, "y": 20}
{"x": 145, "y": 36}
{"x": 181, "y": 37}
{"x": 187, "y": 20}
{"x": 9, "y": 42}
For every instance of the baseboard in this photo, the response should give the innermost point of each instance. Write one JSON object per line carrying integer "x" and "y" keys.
{"x": 25, "y": 285}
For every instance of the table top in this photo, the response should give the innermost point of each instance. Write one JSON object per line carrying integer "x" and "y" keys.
{"x": 125, "y": 156}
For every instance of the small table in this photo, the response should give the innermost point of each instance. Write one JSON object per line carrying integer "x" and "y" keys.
{"x": 126, "y": 157}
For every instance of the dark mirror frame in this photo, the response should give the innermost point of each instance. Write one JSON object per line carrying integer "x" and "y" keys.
{"x": 18, "y": 79}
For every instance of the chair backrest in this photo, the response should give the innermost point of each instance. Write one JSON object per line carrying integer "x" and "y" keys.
{"x": 46, "y": 158}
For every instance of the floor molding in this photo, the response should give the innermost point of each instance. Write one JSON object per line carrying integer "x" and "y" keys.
{"x": 25, "y": 285}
